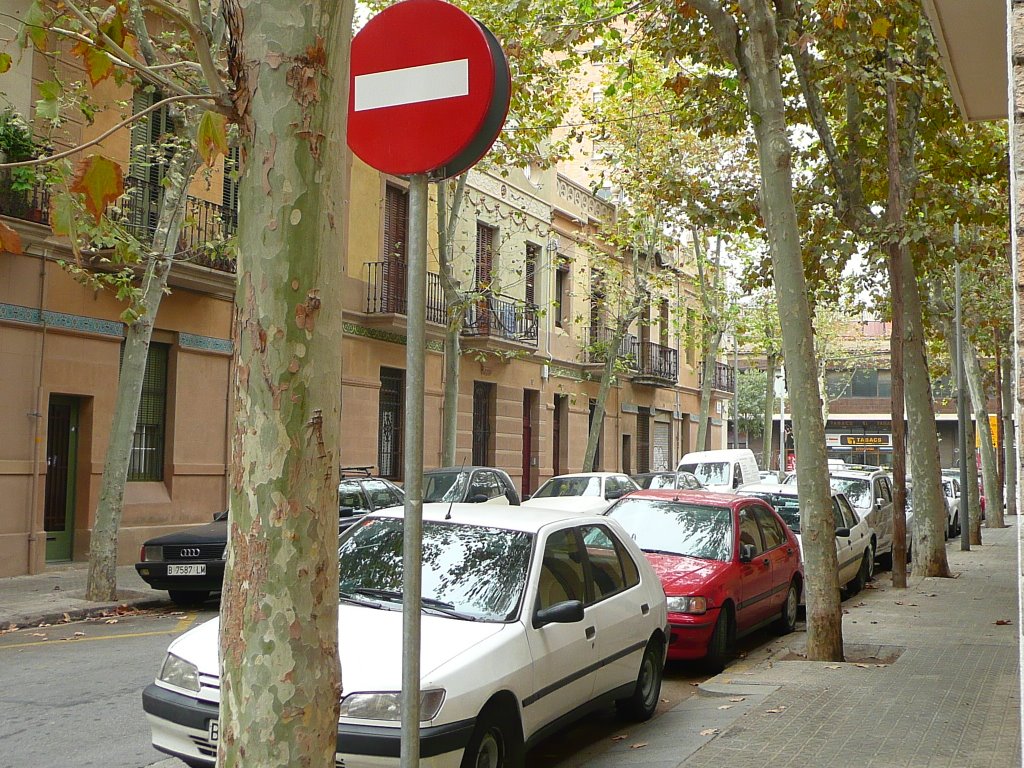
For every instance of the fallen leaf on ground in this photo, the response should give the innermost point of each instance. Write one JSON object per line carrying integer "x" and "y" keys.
{"x": 39, "y": 634}
{"x": 110, "y": 621}
{"x": 862, "y": 666}
{"x": 833, "y": 666}
{"x": 899, "y": 602}
{"x": 1002, "y": 622}
{"x": 79, "y": 634}
{"x": 709, "y": 732}
{"x": 620, "y": 737}
{"x": 777, "y": 710}
{"x": 737, "y": 698}
{"x": 726, "y": 706}
{"x": 638, "y": 745}
{"x": 66, "y": 617}
{"x": 664, "y": 701}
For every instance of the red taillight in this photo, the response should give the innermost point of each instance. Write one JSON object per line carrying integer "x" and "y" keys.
{"x": 142, "y": 554}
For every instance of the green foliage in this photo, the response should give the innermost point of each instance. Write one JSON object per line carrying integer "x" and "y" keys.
{"x": 751, "y": 395}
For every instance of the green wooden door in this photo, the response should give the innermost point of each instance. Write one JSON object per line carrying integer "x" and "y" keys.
{"x": 61, "y": 450}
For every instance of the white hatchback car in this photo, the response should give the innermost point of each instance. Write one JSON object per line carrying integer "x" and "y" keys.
{"x": 853, "y": 534}
{"x": 583, "y": 492}
{"x": 532, "y": 618}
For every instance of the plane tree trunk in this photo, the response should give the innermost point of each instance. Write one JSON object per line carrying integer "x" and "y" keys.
{"x": 979, "y": 403}
{"x": 447, "y": 217}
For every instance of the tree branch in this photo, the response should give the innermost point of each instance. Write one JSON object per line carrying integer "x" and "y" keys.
{"x": 202, "y": 44}
{"x": 123, "y": 124}
{"x": 726, "y": 31}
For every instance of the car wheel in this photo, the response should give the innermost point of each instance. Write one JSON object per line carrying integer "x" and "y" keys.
{"x": 863, "y": 574}
{"x": 787, "y": 620}
{"x": 720, "y": 645}
{"x": 885, "y": 561}
{"x": 497, "y": 741}
{"x": 641, "y": 704}
{"x": 184, "y": 599}
{"x": 954, "y": 529}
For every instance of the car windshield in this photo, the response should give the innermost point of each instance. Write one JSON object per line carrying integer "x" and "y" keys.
{"x": 709, "y": 472}
{"x": 660, "y": 481}
{"x": 475, "y": 571}
{"x": 858, "y": 491}
{"x": 787, "y": 505}
{"x": 445, "y": 486}
{"x": 569, "y": 486}
{"x": 672, "y": 527}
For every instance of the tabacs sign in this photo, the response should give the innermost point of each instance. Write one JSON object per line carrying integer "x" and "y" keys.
{"x": 866, "y": 441}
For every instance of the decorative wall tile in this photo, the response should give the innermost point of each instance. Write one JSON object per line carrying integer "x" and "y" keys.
{"x": 205, "y": 343}
{"x": 32, "y": 316}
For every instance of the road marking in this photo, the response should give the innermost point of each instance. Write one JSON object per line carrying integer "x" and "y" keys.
{"x": 412, "y": 85}
{"x": 183, "y": 623}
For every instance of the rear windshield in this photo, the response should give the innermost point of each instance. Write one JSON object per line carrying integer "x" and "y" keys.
{"x": 857, "y": 491}
{"x": 569, "y": 486}
{"x": 787, "y": 506}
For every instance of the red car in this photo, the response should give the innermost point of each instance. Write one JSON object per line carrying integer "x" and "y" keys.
{"x": 729, "y": 565}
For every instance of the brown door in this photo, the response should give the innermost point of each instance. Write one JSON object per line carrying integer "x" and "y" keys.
{"x": 528, "y": 398}
{"x": 59, "y": 502}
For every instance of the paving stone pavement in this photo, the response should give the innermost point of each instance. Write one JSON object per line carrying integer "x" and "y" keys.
{"x": 950, "y": 700}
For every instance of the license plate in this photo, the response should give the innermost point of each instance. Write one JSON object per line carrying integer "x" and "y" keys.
{"x": 189, "y": 569}
{"x": 214, "y": 731}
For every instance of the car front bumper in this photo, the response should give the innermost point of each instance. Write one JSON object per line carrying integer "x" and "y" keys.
{"x": 689, "y": 635}
{"x": 154, "y": 573}
{"x": 181, "y": 727}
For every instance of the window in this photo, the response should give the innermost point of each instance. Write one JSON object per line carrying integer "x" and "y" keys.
{"x": 484, "y": 256}
{"x": 774, "y": 536}
{"x": 871, "y": 383}
{"x": 351, "y": 495}
{"x": 487, "y": 485}
{"x": 148, "y": 164}
{"x": 390, "y": 421}
{"x": 663, "y": 322}
{"x": 147, "y": 457}
{"x": 396, "y": 223}
{"x": 381, "y": 494}
{"x": 691, "y": 337}
{"x": 561, "y": 576}
{"x": 483, "y": 448}
{"x": 606, "y": 576}
{"x": 750, "y": 533}
{"x": 845, "y": 514}
{"x": 561, "y": 294}
{"x": 530, "y": 272}
{"x": 229, "y": 193}
{"x": 600, "y": 433}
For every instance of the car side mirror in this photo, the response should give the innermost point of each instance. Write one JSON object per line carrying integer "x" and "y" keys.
{"x": 477, "y": 498}
{"x": 346, "y": 511}
{"x": 566, "y": 612}
{"x": 747, "y": 552}
{"x": 843, "y": 532}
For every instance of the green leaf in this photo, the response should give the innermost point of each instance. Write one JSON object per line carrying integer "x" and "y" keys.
{"x": 212, "y": 136}
{"x": 62, "y": 215}
{"x": 100, "y": 180}
{"x": 34, "y": 27}
{"x": 47, "y": 109}
{"x": 5, "y": 62}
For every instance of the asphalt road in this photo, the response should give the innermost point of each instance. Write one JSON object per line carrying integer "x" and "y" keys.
{"x": 70, "y": 695}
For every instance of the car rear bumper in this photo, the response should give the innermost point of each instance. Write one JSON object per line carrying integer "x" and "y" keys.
{"x": 689, "y": 635}
{"x": 155, "y": 574}
{"x": 181, "y": 726}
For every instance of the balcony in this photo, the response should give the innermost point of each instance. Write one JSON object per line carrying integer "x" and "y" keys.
{"x": 724, "y": 379}
{"x": 386, "y": 291}
{"x": 648, "y": 362}
{"x": 206, "y": 226}
{"x": 503, "y": 318}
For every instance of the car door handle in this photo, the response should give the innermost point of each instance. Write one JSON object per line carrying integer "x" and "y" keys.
{"x": 766, "y": 562}
{"x": 591, "y": 633}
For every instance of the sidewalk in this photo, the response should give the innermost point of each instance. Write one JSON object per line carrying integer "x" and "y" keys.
{"x": 45, "y": 598}
{"x": 949, "y": 698}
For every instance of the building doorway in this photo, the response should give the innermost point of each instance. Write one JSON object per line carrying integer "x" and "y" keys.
{"x": 61, "y": 453}
{"x": 529, "y": 404}
{"x": 390, "y": 423}
{"x": 483, "y": 395}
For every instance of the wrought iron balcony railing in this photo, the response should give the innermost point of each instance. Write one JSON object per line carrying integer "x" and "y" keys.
{"x": 386, "y": 290}
{"x": 206, "y": 224}
{"x": 724, "y": 379}
{"x": 502, "y": 317}
{"x": 597, "y": 341}
{"x": 645, "y": 359}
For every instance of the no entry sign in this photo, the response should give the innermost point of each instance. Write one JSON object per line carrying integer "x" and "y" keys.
{"x": 429, "y": 90}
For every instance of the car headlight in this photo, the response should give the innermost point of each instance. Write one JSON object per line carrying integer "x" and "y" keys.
{"x": 180, "y": 673}
{"x": 149, "y": 554}
{"x": 687, "y": 605}
{"x": 387, "y": 705}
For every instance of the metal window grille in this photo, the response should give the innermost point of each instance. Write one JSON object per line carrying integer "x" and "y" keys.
{"x": 389, "y": 446}
{"x": 482, "y": 423}
{"x": 147, "y": 457}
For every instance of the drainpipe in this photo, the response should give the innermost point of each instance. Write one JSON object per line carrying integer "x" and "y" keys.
{"x": 37, "y": 415}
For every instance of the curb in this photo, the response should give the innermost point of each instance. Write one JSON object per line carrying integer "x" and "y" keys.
{"x": 58, "y": 616}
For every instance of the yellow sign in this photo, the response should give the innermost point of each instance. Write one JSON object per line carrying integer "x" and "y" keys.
{"x": 865, "y": 441}
{"x": 993, "y": 427}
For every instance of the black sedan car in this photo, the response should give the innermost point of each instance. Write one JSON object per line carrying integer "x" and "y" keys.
{"x": 485, "y": 485}
{"x": 189, "y": 564}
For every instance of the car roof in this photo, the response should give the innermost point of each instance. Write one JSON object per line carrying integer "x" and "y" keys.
{"x": 707, "y": 498}
{"x": 776, "y": 488}
{"x": 529, "y": 519}
{"x": 467, "y": 468}
{"x": 590, "y": 474}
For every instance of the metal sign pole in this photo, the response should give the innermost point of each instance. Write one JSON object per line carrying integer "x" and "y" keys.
{"x": 961, "y": 412}
{"x": 412, "y": 586}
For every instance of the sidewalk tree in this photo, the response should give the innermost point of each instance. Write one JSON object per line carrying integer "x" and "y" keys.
{"x": 739, "y": 44}
{"x": 763, "y": 335}
{"x": 279, "y": 71}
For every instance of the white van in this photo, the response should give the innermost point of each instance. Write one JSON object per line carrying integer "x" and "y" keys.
{"x": 723, "y": 471}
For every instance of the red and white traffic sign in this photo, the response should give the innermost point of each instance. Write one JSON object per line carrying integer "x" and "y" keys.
{"x": 429, "y": 90}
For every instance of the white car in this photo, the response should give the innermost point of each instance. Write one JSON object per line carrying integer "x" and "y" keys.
{"x": 583, "y": 492}
{"x": 531, "y": 618}
{"x": 869, "y": 490}
{"x": 853, "y": 534}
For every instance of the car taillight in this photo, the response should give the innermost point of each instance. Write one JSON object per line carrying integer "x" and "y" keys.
{"x": 142, "y": 554}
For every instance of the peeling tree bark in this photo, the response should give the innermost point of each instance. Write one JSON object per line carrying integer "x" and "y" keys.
{"x": 760, "y": 67}
{"x": 280, "y": 676}
{"x": 769, "y": 412}
{"x": 102, "y": 579}
{"x": 1009, "y": 438}
{"x": 447, "y": 217}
